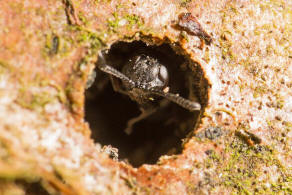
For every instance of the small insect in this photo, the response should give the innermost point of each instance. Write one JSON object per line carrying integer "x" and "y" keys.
{"x": 143, "y": 79}
{"x": 190, "y": 24}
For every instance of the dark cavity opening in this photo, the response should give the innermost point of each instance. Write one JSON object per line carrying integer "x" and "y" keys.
{"x": 160, "y": 134}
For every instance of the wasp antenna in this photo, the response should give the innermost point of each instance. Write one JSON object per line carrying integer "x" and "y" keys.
{"x": 101, "y": 64}
{"x": 187, "y": 104}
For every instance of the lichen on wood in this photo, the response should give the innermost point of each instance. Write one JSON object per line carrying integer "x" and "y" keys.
{"x": 49, "y": 48}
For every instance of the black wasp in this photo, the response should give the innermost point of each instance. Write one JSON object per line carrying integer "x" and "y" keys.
{"x": 143, "y": 79}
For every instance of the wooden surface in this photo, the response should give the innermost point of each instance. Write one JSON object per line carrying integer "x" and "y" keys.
{"x": 48, "y": 49}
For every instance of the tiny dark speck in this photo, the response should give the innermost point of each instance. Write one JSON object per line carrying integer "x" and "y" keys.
{"x": 55, "y": 45}
{"x": 211, "y": 133}
{"x": 209, "y": 152}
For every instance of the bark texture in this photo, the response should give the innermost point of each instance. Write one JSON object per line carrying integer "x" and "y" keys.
{"x": 242, "y": 143}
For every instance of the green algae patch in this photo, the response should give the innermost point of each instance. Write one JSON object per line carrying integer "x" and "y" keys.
{"x": 34, "y": 101}
{"x": 36, "y": 94}
{"x": 250, "y": 169}
{"x": 246, "y": 170}
{"x": 4, "y": 67}
{"x": 127, "y": 20}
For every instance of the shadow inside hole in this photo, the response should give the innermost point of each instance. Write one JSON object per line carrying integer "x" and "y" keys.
{"x": 108, "y": 111}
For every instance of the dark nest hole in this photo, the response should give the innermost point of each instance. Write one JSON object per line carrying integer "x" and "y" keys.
{"x": 32, "y": 188}
{"x": 160, "y": 134}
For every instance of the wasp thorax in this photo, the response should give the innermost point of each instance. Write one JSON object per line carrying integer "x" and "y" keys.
{"x": 146, "y": 72}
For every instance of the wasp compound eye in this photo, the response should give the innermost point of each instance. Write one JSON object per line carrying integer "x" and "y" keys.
{"x": 163, "y": 74}
{"x": 133, "y": 103}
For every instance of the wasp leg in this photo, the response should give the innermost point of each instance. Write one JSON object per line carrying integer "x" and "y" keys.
{"x": 117, "y": 86}
{"x": 144, "y": 114}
